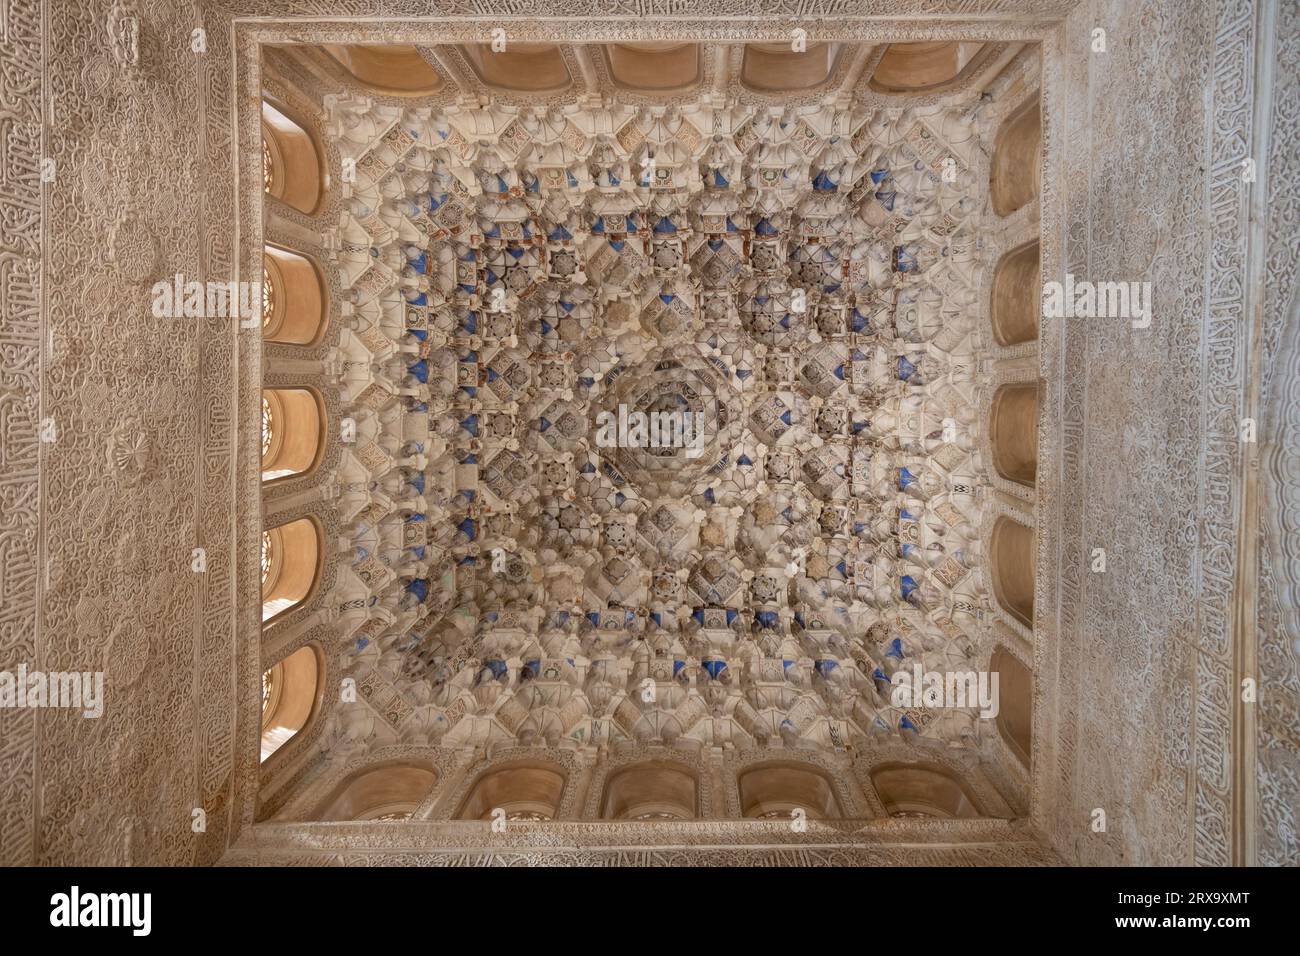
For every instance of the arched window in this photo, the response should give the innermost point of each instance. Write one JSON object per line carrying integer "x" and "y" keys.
{"x": 291, "y": 558}
{"x": 290, "y": 697}
{"x": 919, "y": 790}
{"x": 652, "y": 791}
{"x": 390, "y": 792}
{"x": 291, "y": 161}
{"x": 295, "y": 306}
{"x": 654, "y": 65}
{"x": 1017, "y": 159}
{"x": 522, "y": 68}
{"x": 525, "y": 792}
{"x": 268, "y": 296}
{"x": 1015, "y": 703}
{"x": 1017, "y": 296}
{"x": 774, "y": 792}
{"x": 1013, "y": 432}
{"x": 293, "y": 432}
{"x": 1011, "y": 557}
{"x": 923, "y": 67}
{"x": 775, "y": 67}
{"x": 393, "y": 68}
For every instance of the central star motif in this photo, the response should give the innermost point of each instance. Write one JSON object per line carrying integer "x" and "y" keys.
{"x": 674, "y": 385}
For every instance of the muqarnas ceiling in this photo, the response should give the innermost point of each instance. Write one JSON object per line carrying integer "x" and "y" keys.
{"x": 803, "y": 279}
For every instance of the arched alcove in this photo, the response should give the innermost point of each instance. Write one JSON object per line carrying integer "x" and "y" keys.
{"x": 388, "y": 792}
{"x": 921, "y": 67}
{"x": 521, "y": 67}
{"x": 658, "y": 65}
{"x": 524, "y": 792}
{"x": 774, "y": 67}
{"x": 1015, "y": 702}
{"x": 293, "y": 432}
{"x": 1015, "y": 173}
{"x": 921, "y": 790}
{"x": 291, "y": 161}
{"x": 651, "y": 791}
{"x": 394, "y": 68}
{"x": 774, "y": 791}
{"x": 1013, "y": 432}
{"x": 290, "y": 697}
{"x": 1017, "y": 296}
{"x": 291, "y": 563}
{"x": 1011, "y": 558}
{"x": 295, "y": 306}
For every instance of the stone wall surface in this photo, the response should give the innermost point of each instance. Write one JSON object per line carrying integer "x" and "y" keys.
{"x": 1157, "y": 135}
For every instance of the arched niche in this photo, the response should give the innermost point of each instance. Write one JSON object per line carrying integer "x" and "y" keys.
{"x": 291, "y": 564}
{"x": 654, "y": 65}
{"x": 295, "y": 306}
{"x": 775, "y": 68}
{"x": 1013, "y": 432}
{"x": 290, "y": 697}
{"x": 393, "y": 68}
{"x": 293, "y": 432}
{"x": 1015, "y": 702}
{"x": 1015, "y": 173}
{"x": 1017, "y": 296}
{"x": 922, "y": 67}
{"x": 292, "y": 169}
{"x": 774, "y": 791}
{"x": 650, "y": 791}
{"x": 921, "y": 790}
{"x": 388, "y": 792}
{"x": 521, "y": 67}
{"x": 524, "y": 792}
{"x": 1011, "y": 558}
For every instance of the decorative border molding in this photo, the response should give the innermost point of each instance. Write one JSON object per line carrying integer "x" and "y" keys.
{"x": 644, "y": 843}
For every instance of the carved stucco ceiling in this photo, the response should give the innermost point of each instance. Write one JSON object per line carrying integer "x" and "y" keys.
{"x": 803, "y": 278}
